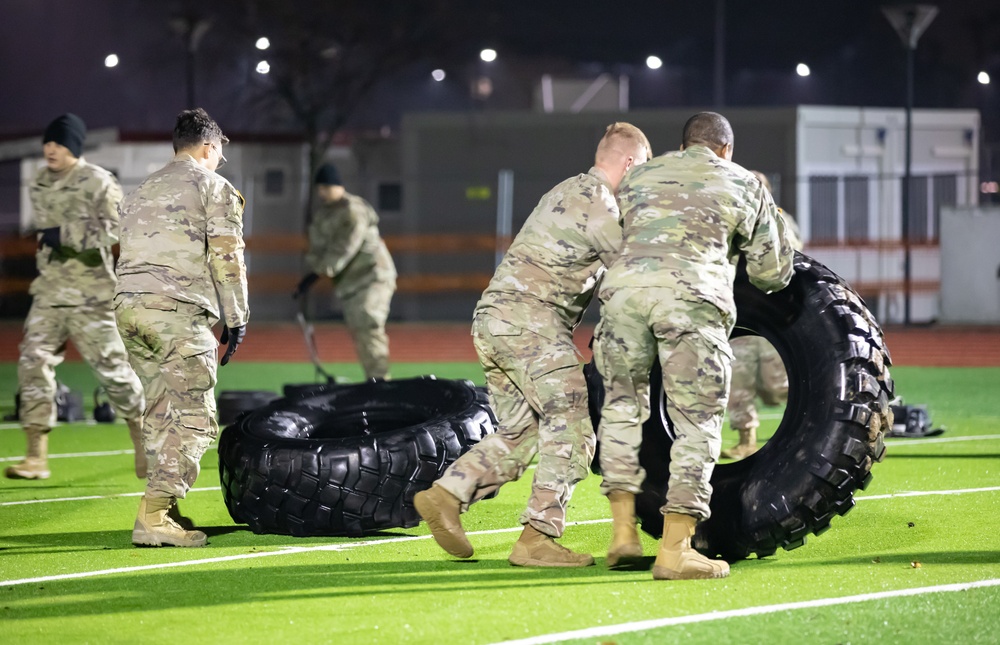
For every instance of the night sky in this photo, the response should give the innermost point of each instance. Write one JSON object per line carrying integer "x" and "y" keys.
{"x": 52, "y": 58}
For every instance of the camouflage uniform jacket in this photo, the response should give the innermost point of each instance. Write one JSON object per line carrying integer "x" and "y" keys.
{"x": 686, "y": 216}
{"x": 182, "y": 237}
{"x": 791, "y": 229}
{"x": 84, "y": 205}
{"x": 344, "y": 244}
{"x": 550, "y": 272}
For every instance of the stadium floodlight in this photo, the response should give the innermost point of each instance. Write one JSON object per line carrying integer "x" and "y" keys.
{"x": 983, "y": 78}
{"x": 111, "y": 60}
{"x": 488, "y": 55}
{"x": 802, "y": 69}
{"x": 438, "y": 75}
{"x": 654, "y": 62}
{"x": 263, "y": 67}
{"x": 262, "y": 43}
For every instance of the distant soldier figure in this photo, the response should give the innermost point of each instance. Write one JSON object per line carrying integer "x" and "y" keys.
{"x": 181, "y": 270}
{"x": 523, "y": 333}
{"x": 75, "y": 207}
{"x": 757, "y": 369}
{"x": 669, "y": 296}
{"x": 344, "y": 245}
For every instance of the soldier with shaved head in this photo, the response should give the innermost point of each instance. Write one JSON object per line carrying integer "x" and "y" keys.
{"x": 668, "y": 297}
{"x": 523, "y": 333}
{"x": 181, "y": 270}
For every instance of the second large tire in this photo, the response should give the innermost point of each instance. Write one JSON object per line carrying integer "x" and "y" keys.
{"x": 347, "y": 459}
{"x": 831, "y": 433}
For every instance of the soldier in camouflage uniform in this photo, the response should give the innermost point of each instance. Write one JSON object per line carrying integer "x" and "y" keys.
{"x": 669, "y": 296}
{"x": 181, "y": 270}
{"x": 757, "y": 369}
{"x": 523, "y": 333}
{"x": 75, "y": 207}
{"x": 344, "y": 245}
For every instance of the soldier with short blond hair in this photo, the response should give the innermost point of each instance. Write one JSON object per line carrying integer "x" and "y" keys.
{"x": 181, "y": 270}
{"x": 523, "y": 332}
{"x": 668, "y": 297}
{"x": 75, "y": 206}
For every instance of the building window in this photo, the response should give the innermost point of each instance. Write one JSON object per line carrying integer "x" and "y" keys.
{"x": 823, "y": 206}
{"x": 274, "y": 182}
{"x": 856, "y": 208}
{"x": 390, "y": 197}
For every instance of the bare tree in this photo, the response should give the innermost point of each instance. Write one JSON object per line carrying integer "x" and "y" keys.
{"x": 325, "y": 56}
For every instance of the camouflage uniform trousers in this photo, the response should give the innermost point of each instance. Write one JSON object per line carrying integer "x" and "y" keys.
{"x": 637, "y": 327}
{"x": 171, "y": 347}
{"x": 92, "y": 330}
{"x": 365, "y": 313}
{"x": 539, "y": 394}
{"x": 757, "y": 371}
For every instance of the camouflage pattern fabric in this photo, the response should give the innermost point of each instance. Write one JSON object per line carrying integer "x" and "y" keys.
{"x": 549, "y": 273}
{"x": 523, "y": 333}
{"x": 539, "y": 395}
{"x": 171, "y": 347}
{"x": 182, "y": 237}
{"x": 92, "y": 329}
{"x": 686, "y": 216}
{"x": 757, "y": 366}
{"x": 365, "y": 314}
{"x": 83, "y": 203}
{"x": 345, "y": 245}
{"x": 73, "y": 291}
{"x": 181, "y": 244}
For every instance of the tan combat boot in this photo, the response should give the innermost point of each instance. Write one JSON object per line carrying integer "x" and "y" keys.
{"x": 155, "y": 527}
{"x": 677, "y": 560}
{"x": 135, "y": 434}
{"x": 625, "y": 550}
{"x": 746, "y": 447}
{"x": 442, "y": 512}
{"x": 36, "y": 460}
{"x": 535, "y": 549}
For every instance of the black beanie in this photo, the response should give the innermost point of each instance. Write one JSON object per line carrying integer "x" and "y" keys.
{"x": 68, "y": 130}
{"x": 328, "y": 175}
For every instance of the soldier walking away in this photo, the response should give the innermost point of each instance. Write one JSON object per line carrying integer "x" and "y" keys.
{"x": 757, "y": 368}
{"x": 523, "y": 332}
{"x": 686, "y": 216}
{"x": 345, "y": 246}
{"x": 181, "y": 270}
{"x": 75, "y": 206}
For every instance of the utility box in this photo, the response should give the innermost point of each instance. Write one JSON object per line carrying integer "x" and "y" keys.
{"x": 970, "y": 265}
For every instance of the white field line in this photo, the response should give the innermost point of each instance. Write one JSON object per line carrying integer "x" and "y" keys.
{"x": 924, "y": 493}
{"x": 102, "y": 453}
{"x": 643, "y": 625}
{"x": 285, "y": 550}
{"x": 89, "y": 497}
{"x": 890, "y": 442}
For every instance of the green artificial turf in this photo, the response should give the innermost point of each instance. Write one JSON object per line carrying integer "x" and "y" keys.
{"x": 399, "y": 587}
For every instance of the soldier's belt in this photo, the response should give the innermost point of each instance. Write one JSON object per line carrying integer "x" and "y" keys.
{"x": 89, "y": 257}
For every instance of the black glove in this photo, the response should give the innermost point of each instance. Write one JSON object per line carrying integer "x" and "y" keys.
{"x": 51, "y": 238}
{"x": 232, "y": 336}
{"x": 304, "y": 284}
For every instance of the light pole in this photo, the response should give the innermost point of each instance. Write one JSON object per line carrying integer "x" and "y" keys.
{"x": 909, "y": 21}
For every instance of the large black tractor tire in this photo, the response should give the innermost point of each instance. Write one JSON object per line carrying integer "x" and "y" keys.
{"x": 830, "y": 435}
{"x": 347, "y": 459}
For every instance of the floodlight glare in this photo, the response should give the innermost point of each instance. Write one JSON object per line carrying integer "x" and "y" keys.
{"x": 262, "y": 43}
{"x": 263, "y": 67}
{"x": 112, "y": 60}
{"x": 802, "y": 69}
{"x": 488, "y": 55}
{"x": 654, "y": 62}
{"x": 983, "y": 78}
{"x": 438, "y": 75}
